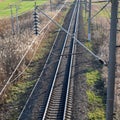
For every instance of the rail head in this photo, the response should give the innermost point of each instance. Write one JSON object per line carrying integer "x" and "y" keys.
{"x": 58, "y": 68}
{"x": 45, "y": 62}
{"x": 71, "y": 63}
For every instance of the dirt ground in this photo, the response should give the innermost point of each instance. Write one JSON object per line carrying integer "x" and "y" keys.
{"x": 80, "y": 98}
{"x": 83, "y": 62}
{"x": 104, "y": 21}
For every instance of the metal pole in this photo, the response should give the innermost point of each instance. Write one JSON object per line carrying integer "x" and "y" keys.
{"x": 112, "y": 61}
{"x": 12, "y": 20}
{"x": 17, "y": 24}
{"x": 51, "y": 5}
{"x": 97, "y": 57}
{"x": 35, "y": 6}
{"x": 85, "y": 7}
{"x": 89, "y": 22}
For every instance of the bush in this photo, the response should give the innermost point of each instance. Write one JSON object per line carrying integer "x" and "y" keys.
{"x": 97, "y": 114}
{"x": 92, "y": 77}
{"x": 93, "y": 99}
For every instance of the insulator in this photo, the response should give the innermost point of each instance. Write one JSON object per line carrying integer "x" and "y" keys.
{"x": 35, "y": 16}
{"x": 36, "y": 23}
{"x": 36, "y": 20}
{"x": 35, "y": 13}
{"x": 36, "y": 27}
{"x": 36, "y": 32}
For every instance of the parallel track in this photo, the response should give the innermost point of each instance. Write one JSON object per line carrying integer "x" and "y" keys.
{"x": 52, "y": 95}
{"x": 69, "y": 95}
{"x": 59, "y": 105}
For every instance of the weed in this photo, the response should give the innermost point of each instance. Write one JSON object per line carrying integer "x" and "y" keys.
{"x": 92, "y": 77}
{"x": 88, "y": 45}
{"x": 92, "y": 98}
{"x": 97, "y": 114}
{"x": 95, "y": 101}
{"x": 18, "y": 92}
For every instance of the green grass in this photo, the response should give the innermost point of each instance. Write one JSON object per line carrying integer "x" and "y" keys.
{"x": 88, "y": 45}
{"x": 97, "y": 114}
{"x": 95, "y": 86}
{"x": 19, "y": 91}
{"x": 93, "y": 98}
{"x": 92, "y": 77}
{"x": 96, "y": 106}
{"x": 23, "y": 6}
{"x": 19, "y": 88}
{"x": 105, "y": 12}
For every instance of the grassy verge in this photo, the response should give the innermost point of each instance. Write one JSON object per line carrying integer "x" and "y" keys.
{"x": 95, "y": 99}
{"x": 95, "y": 85}
{"x": 96, "y": 105}
{"x": 23, "y": 6}
{"x": 88, "y": 45}
{"x": 19, "y": 91}
{"x": 105, "y": 12}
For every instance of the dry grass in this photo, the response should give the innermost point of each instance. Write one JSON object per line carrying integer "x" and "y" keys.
{"x": 13, "y": 48}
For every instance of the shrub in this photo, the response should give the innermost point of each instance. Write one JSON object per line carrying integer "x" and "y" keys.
{"x": 97, "y": 114}
{"x": 92, "y": 77}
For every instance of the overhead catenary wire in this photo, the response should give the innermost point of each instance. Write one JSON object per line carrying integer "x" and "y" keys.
{"x": 103, "y": 29}
{"x": 33, "y": 57}
{"x": 41, "y": 72}
{"x": 100, "y": 10}
{"x": 103, "y": 1}
{"x": 60, "y": 59}
{"x": 108, "y": 15}
{"x": 97, "y": 12}
{"x": 106, "y": 12}
{"x": 8, "y": 81}
{"x": 80, "y": 43}
{"x": 30, "y": 59}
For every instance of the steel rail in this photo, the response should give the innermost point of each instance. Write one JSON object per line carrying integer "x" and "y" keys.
{"x": 35, "y": 38}
{"x": 69, "y": 95}
{"x": 80, "y": 43}
{"x": 45, "y": 65}
{"x": 52, "y": 88}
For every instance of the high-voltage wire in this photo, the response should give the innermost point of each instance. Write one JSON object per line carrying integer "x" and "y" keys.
{"x": 100, "y": 10}
{"x": 81, "y": 44}
{"x": 9, "y": 79}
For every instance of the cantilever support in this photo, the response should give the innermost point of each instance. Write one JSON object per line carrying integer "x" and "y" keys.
{"x": 80, "y": 43}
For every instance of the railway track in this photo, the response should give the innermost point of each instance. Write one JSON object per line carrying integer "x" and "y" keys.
{"x": 59, "y": 104}
{"x": 52, "y": 94}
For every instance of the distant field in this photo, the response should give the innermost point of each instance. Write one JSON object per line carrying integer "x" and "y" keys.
{"x": 24, "y": 6}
